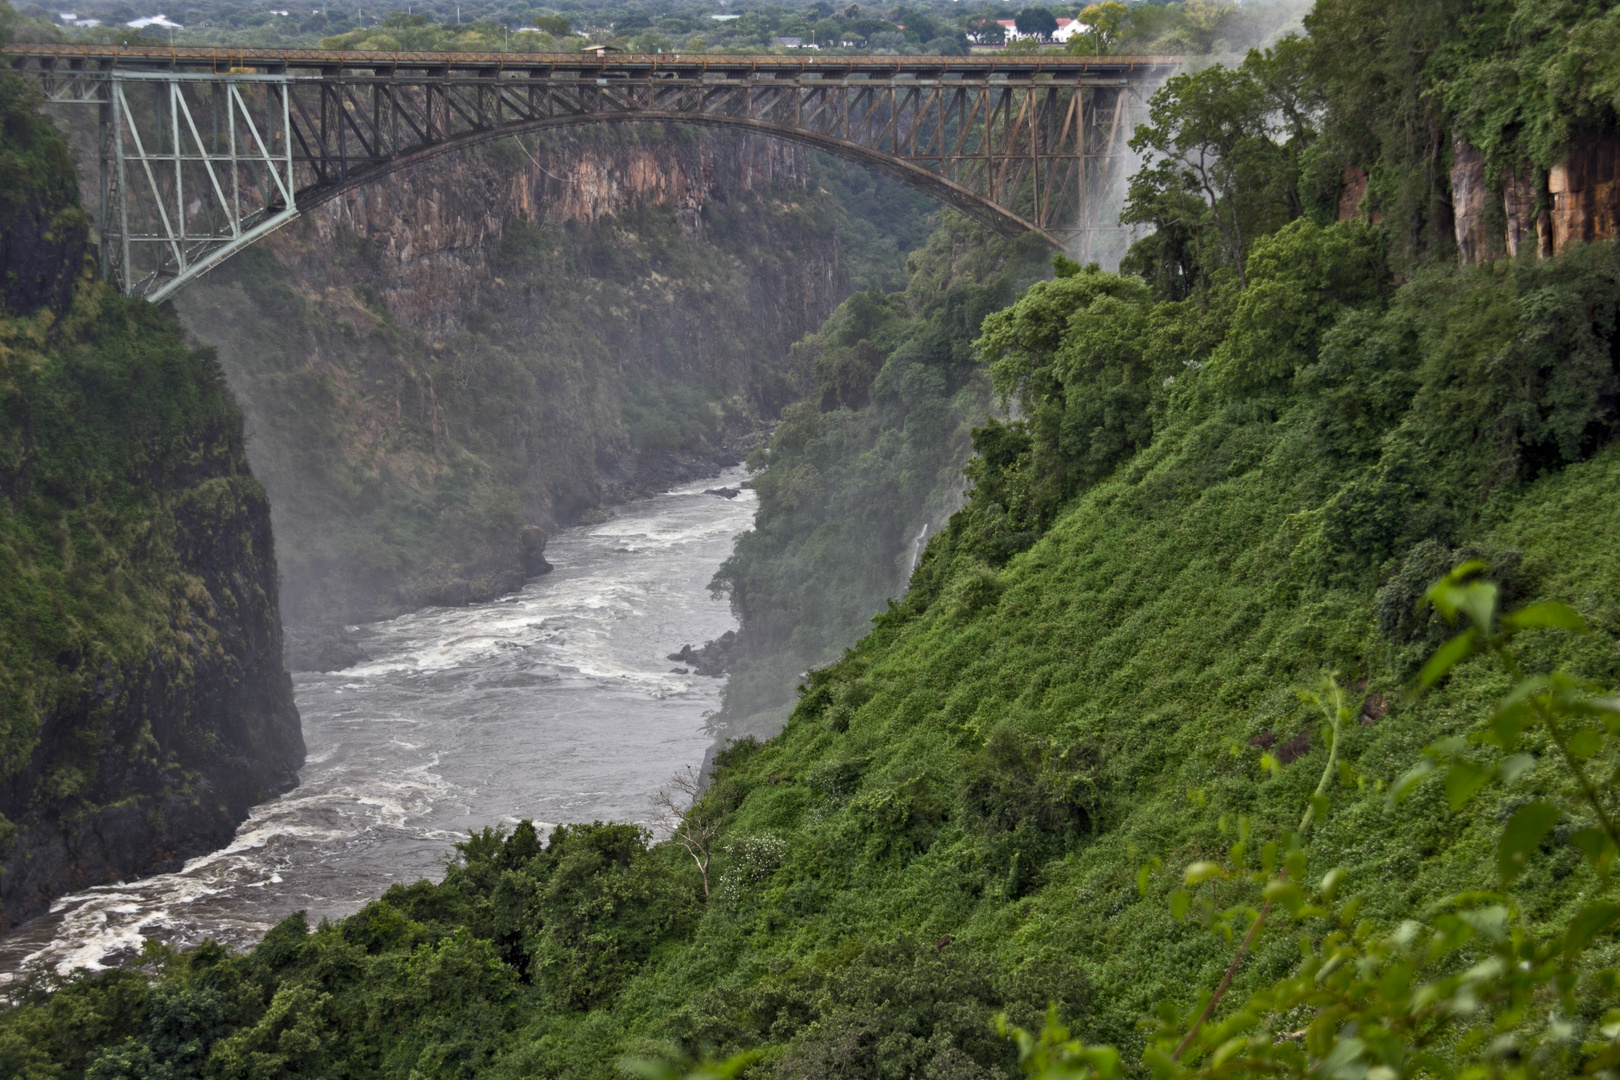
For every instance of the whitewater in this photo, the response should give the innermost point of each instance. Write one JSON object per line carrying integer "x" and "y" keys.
{"x": 556, "y": 704}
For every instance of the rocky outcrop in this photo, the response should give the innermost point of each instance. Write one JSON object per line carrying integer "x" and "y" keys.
{"x": 1585, "y": 192}
{"x": 509, "y": 338}
{"x": 1470, "y": 204}
{"x": 187, "y": 738}
{"x": 1541, "y": 211}
{"x": 1524, "y": 206}
{"x": 1352, "y": 191}
{"x": 714, "y": 659}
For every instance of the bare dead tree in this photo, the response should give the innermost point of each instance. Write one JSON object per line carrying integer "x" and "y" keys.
{"x": 691, "y": 824}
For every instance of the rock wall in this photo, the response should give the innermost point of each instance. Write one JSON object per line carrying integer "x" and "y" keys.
{"x": 1470, "y": 204}
{"x": 144, "y": 707}
{"x": 511, "y": 338}
{"x": 1585, "y": 192}
{"x": 1576, "y": 201}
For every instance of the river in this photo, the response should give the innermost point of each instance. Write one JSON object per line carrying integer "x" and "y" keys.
{"x": 556, "y": 704}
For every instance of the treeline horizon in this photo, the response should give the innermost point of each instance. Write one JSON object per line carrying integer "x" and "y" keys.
{"x": 930, "y": 27}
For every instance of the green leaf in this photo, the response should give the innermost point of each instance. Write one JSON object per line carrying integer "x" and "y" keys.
{"x": 1514, "y": 766}
{"x": 1200, "y": 872}
{"x": 1446, "y": 594}
{"x": 1585, "y": 743}
{"x": 1447, "y": 657}
{"x": 1409, "y": 781}
{"x": 1463, "y": 781}
{"x": 1588, "y": 923}
{"x": 1180, "y": 901}
{"x": 1523, "y": 832}
{"x": 1478, "y": 602}
{"x": 1597, "y": 848}
{"x": 1285, "y": 893}
{"x": 1549, "y": 614}
{"x": 1507, "y": 724}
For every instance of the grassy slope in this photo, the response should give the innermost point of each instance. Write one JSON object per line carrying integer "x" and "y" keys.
{"x": 1163, "y": 632}
{"x": 1168, "y": 617}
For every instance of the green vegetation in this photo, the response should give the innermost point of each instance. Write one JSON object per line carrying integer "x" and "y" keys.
{"x": 858, "y": 468}
{"x": 102, "y": 407}
{"x": 136, "y": 573}
{"x": 1143, "y": 741}
{"x": 875, "y": 453}
{"x": 929, "y": 27}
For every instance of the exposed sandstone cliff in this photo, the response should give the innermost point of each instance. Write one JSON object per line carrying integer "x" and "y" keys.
{"x": 508, "y": 338}
{"x": 1536, "y": 210}
{"x": 1585, "y": 192}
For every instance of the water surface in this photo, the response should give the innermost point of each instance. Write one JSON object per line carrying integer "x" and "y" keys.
{"x": 557, "y": 704}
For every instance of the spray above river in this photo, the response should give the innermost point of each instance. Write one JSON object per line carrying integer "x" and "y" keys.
{"x": 556, "y": 704}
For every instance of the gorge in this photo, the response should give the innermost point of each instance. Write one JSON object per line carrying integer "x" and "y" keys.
{"x": 1247, "y": 710}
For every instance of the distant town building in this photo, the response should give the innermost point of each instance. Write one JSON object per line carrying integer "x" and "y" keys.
{"x": 1067, "y": 28}
{"x": 161, "y": 21}
{"x": 793, "y": 43}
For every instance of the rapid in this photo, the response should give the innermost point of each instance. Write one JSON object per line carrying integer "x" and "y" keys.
{"x": 556, "y": 704}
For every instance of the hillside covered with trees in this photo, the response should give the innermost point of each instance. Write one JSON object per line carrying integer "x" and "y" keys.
{"x": 1254, "y": 715}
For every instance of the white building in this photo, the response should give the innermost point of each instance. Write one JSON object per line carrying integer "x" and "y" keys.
{"x": 1067, "y": 28}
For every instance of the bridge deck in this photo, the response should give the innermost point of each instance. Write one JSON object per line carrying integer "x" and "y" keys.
{"x": 1061, "y": 69}
{"x": 204, "y": 150}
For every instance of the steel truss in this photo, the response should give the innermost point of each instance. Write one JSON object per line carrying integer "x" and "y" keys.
{"x": 197, "y": 164}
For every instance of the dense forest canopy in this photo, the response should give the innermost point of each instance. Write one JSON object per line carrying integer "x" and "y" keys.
{"x": 1254, "y": 715}
{"x": 923, "y": 26}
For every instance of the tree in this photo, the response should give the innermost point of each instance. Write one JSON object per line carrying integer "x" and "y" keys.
{"x": 555, "y": 25}
{"x": 691, "y": 823}
{"x": 987, "y": 32}
{"x": 1036, "y": 22}
{"x": 1221, "y": 156}
{"x": 1104, "y": 24}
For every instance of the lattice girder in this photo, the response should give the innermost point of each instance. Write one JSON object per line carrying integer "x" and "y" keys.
{"x": 205, "y": 151}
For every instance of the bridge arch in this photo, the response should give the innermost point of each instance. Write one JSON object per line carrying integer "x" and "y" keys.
{"x": 207, "y": 150}
{"x": 937, "y": 187}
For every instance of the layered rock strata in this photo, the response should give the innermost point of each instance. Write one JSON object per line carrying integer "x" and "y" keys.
{"x": 510, "y": 338}
{"x": 1535, "y": 210}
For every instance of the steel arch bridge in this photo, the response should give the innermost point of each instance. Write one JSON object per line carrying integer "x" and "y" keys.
{"x": 204, "y": 151}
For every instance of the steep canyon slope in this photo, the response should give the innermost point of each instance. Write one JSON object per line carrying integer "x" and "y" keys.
{"x": 143, "y": 703}
{"x": 438, "y": 368}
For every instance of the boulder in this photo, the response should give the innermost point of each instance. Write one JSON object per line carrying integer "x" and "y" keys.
{"x": 532, "y": 551}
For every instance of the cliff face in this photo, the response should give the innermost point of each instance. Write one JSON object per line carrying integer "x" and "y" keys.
{"x": 508, "y": 338}
{"x": 144, "y": 707}
{"x": 1535, "y": 210}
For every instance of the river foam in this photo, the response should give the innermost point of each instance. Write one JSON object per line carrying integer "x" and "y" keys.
{"x": 554, "y": 704}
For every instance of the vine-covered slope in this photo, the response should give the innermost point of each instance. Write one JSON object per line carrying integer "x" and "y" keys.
{"x": 143, "y": 703}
